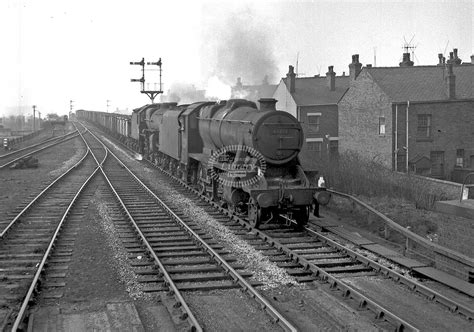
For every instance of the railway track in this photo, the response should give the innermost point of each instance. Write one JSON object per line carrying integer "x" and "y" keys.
{"x": 14, "y": 156}
{"x": 27, "y": 241}
{"x": 332, "y": 260}
{"x": 312, "y": 255}
{"x": 178, "y": 257}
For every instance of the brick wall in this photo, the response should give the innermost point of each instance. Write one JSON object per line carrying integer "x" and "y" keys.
{"x": 328, "y": 125}
{"x": 359, "y": 112}
{"x": 452, "y": 128}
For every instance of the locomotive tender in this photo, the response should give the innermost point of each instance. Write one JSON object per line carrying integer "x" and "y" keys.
{"x": 235, "y": 152}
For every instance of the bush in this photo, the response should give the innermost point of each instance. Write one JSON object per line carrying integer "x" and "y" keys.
{"x": 354, "y": 174}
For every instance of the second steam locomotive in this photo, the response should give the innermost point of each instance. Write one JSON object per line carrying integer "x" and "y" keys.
{"x": 238, "y": 154}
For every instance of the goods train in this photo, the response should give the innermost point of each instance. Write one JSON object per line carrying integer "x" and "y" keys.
{"x": 241, "y": 155}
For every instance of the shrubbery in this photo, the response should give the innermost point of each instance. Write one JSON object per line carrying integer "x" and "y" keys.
{"x": 353, "y": 174}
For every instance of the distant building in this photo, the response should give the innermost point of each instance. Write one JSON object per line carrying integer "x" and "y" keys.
{"x": 439, "y": 102}
{"x": 253, "y": 92}
{"x": 313, "y": 101}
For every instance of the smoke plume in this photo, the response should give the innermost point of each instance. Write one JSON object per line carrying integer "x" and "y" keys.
{"x": 239, "y": 45}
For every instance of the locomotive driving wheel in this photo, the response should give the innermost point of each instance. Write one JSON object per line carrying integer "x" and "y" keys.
{"x": 254, "y": 214}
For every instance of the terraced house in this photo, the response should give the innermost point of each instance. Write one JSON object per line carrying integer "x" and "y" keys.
{"x": 419, "y": 118}
{"x": 313, "y": 101}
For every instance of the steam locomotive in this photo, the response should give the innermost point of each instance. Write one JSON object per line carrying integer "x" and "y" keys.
{"x": 236, "y": 153}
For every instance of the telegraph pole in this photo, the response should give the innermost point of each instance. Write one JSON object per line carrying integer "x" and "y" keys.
{"x": 150, "y": 93}
{"x": 34, "y": 110}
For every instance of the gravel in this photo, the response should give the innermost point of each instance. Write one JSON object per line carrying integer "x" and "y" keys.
{"x": 121, "y": 260}
{"x": 263, "y": 270}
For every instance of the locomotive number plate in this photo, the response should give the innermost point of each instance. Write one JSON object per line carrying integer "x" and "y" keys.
{"x": 280, "y": 131}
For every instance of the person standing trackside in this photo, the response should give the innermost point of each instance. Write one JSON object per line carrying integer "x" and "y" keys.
{"x": 321, "y": 184}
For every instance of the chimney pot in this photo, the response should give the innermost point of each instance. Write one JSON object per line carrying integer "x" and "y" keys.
{"x": 369, "y": 65}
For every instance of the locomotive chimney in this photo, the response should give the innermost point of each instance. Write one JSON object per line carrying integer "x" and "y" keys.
{"x": 291, "y": 78}
{"x": 331, "y": 78}
{"x": 267, "y": 104}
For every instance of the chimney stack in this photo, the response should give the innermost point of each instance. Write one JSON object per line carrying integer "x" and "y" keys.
{"x": 331, "y": 78}
{"x": 406, "y": 62}
{"x": 239, "y": 83}
{"x": 354, "y": 67}
{"x": 267, "y": 104}
{"x": 472, "y": 59}
{"x": 291, "y": 78}
{"x": 451, "y": 57}
{"x": 457, "y": 60}
{"x": 440, "y": 59}
{"x": 450, "y": 82}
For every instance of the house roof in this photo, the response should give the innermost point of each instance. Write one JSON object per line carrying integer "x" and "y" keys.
{"x": 315, "y": 90}
{"x": 422, "y": 83}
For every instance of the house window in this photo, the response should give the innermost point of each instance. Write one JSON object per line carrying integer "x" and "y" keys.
{"x": 381, "y": 125}
{"x": 333, "y": 147}
{"x": 314, "y": 121}
{"x": 314, "y": 147}
{"x": 460, "y": 157}
{"x": 424, "y": 125}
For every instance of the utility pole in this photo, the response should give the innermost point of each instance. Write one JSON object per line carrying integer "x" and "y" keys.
{"x": 150, "y": 93}
{"x": 39, "y": 120}
{"x": 34, "y": 110}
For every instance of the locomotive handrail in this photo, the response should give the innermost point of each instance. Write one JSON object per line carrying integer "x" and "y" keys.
{"x": 281, "y": 125}
{"x": 224, "y": 120}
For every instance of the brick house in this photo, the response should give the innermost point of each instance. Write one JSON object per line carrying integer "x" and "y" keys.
{"x": 313, "y": 101}
{"x": 438, "y": 136}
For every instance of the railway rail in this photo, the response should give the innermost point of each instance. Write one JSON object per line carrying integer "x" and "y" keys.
{"x": 325, "y": 259}
{"x": 14, "y": 156}
{"x": 331, "y": 259}
{"x": 27, "y": 241}
{"x": 185, "y": 259}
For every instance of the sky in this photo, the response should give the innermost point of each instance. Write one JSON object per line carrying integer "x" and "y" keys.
{"x": 55, "y": 51}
